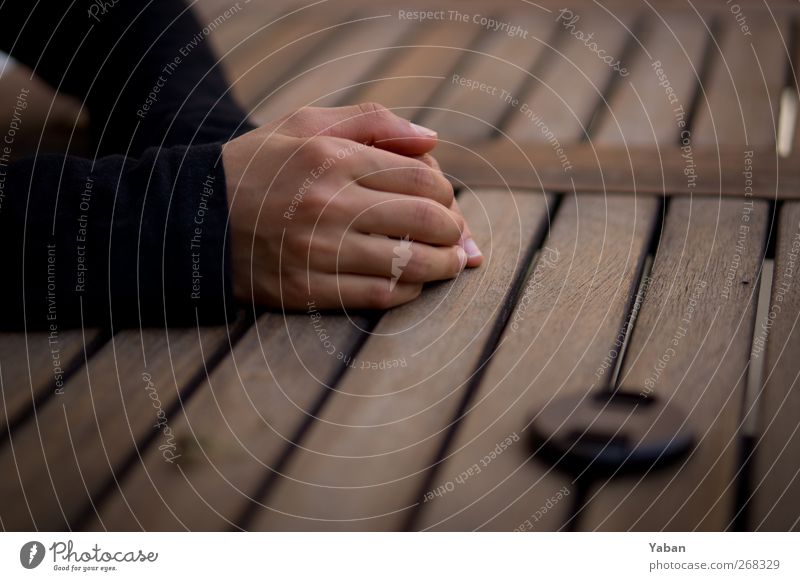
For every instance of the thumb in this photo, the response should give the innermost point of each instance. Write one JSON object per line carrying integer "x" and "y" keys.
{"x": 367, "y": 123}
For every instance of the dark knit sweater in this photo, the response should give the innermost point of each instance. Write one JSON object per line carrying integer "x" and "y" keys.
{"x": 136, "y": 233}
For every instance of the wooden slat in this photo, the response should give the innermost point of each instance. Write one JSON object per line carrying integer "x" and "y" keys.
{"x": 577, "y": 298}
{"x": 503, "y": 66}
{"x": 366, "y": 457}
{"x": 776, "y": 478}
{"x": 647, "y": 105}
{"x": 411, "y": 80}
{"x": 240, "y": 470}
{"x": 579, "y": 294}
{"x": 327, "y": 76}
{"x": 432, "y": 395}
{"x": 704, "y": 373}
{"x": 743, "y": 91}
{"x": 33, "y": 366}
{"x": 240, "y": 21}
{"x": 259, "y": 61}
{"x": 707, "y": 265}
{"x": 236, "y": 428}
{"x": 57, "y": 462}
{"x": 794, "y": 82}
{"x": 632, "y": 170}
{"x": 573, "y": 81}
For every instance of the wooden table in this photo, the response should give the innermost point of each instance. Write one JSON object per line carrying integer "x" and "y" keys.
{"x": 419, "y": 418}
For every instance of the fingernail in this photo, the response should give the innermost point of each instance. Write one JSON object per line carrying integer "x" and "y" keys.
{"x": 462, "y": 257}
{"x": 424, "y": 131}
{"x": 472, "y": 248}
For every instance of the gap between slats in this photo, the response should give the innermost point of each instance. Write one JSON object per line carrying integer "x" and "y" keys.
{"x": 237, "y": 330}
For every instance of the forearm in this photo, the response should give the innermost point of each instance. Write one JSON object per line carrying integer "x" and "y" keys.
{"x": 117, "y": 241}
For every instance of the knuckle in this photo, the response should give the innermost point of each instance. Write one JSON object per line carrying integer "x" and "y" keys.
{"x": 371, "y": 108}
{"x": 422, "y": 179}
{"x": 315, "y": 203}
{"x": 423, "y": 215}
{"x": 296, "y": 247}
{"x": 306, "y": 112}
{"x": 314, "y": 150}
{"x": 339, "y": 210}
{"x": 325, "y": 248}
{"x": 286, "y": 120}
{"x": 297, "y": 122}
{"x": 295, "y": 285}
{"x": 447, "y": 192}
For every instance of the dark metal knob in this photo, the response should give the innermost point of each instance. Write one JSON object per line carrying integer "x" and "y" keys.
{"x": 605, "y": 433}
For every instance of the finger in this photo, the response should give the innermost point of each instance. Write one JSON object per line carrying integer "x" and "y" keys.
{"x": 428, "y": 160}
{"x": 431, "y": 161}
{"x": 398, "y": 260}
{"x": 401, "y": 216}
{"x": 474, "y": 254}
{"x": 389, "y": 172}
{"x": 368, "y": 123}
{"x": 354, "y": 291}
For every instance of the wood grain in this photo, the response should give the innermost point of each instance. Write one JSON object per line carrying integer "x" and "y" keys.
{"x": 775, "y": 481}
{"x": 56, "y": 463}
{"x": 569, "y": 331}
{"x": 412, "y": 78}
{"x": 566, "y": 324}
{"x": 33, "y": 366}
{"x": 234, "y": 431}
{"x": 366, "y": 456}
{"x": 329, "y": 75}
{"x": 572, "y": 84}
{"x": 693, "y": 336}
{"x": 500, "y": 68}
{"x": 260, "y": 60}
{"x": 264, "y": 442}
{"x": 634, "y": 170}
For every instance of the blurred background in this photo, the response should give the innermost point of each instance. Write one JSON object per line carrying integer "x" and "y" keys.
{"x": 471, "y": 69}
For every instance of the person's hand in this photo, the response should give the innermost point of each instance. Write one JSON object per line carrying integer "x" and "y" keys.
{"x": 340, "y": 208}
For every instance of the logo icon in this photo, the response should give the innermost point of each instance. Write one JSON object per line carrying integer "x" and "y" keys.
{"x": 31, "y": 554}
{"x": 402, "y": 255}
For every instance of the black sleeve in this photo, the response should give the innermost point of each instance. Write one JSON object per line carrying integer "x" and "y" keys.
{"x": 142, "y": 240}
{"x": 139, "y": 231}
{"x": 144, "y": 70}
